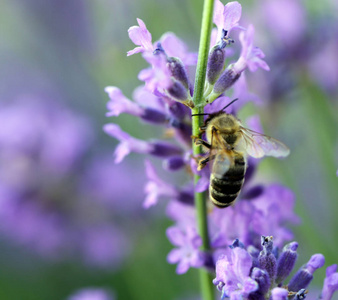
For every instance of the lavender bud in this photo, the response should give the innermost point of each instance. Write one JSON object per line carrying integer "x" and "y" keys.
{"x": 178, "y": 91}
{"x": 263, "y": 280}
{"x": 304, "y": 276}
{"x": 225, "y": 81}
{"x": 163, "y": 149}
{"x": 185, "y": 197}
{"x": 215, "y": 63}
{"x": 286, "y": 261}
{"x": 153, "y": 116}
{"x": 174, "y": 163}
{"x": 266, "y": 259}
{"x": 178, "y": 70}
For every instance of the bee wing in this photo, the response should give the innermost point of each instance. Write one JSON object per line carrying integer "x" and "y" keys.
{"x": 221, "y": 164}
{"x": 218, "y": 153}
{"x": 257, "y": 145}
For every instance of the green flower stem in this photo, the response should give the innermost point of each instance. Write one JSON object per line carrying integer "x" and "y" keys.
{"x": 203, "y": 52}
{"x": 207, "y": 287}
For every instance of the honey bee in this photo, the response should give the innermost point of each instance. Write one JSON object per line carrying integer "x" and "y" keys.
{"x": 229, "y": 143}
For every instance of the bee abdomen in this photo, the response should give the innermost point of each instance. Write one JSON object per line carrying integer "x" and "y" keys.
{"x": 225, "y": 189}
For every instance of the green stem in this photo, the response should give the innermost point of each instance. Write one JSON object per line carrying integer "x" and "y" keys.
{"x": 207, "y": 287}
{"x": 203, "y": 52}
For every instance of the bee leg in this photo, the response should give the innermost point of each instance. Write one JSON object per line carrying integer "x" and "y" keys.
{"x": 203, "y": 143}
{"x": 203, "y": 128}
{"x": 202, "y": 163}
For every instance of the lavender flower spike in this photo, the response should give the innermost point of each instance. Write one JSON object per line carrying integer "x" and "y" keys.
{"x": 141, "y": 37}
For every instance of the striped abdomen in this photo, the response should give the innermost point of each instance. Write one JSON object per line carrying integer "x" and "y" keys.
{"x": 225, "y": 187}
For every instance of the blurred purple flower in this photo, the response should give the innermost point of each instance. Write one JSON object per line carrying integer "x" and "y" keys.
{"x": 42, "y": 170}
{"x": 92, "y": 294}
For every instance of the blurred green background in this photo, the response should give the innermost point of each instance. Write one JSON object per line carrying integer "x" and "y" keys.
{"x": 72, "y": 49}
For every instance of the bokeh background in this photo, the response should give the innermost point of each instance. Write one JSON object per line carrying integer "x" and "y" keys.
{"x": 56, "y": 57}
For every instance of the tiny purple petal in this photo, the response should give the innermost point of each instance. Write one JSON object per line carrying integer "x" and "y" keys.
{"x": 279, "y": 294}
{"x": 128, "y": 144}
{"x": 156, "y": 187}
{"x": 330, "y": 283}
{"x": 140, "y": 36}
{"x": 120, "y": 104}
{"x": 251, "y": 57}
{"x": 175, "y": 47}
{"x": 231, "y": 15}
{"x": 157, "y": 77}
{"x": 316, "y": 261}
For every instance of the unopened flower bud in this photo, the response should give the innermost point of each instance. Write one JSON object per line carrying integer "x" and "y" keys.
{"x": 163, "y": 149}
{"x": 304, "y": 276}
{"x": 178, "y": 71}
{"x": 226, "y": 80}
{"x": 174, "y": 163}
{"x": 178, "y": 91}
{"x": 266, "y": 259}
{"x": 263, "y": 280}
{"x": 215, "y": 63}
{"x": 153, "y": 116}
{"x": 286, "y": 262}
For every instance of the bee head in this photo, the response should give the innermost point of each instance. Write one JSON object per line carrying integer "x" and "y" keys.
{"x": 212, "y": 115}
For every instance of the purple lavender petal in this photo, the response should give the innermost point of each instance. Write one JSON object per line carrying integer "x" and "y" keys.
{"x": 251, "y": 56}
{"x": 140, "y": 36}
{"x": 120, "y": 104}
{"x": 231, "y": 15}
{"x": 156, "y": 187}
{"x": 157, "y": 77}
{"x": 188, "y": 254}
{"x": 330, "y": 283}
{"x": 279, "y": 294}
{"x": 174, "y": 47}
{"x": 128, "y": 144}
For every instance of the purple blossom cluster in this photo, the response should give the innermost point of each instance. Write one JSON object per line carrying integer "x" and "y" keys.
{"x": 247, "y": 273}
{"x": 50, "y": 203}
{"x": 164, "y": 100}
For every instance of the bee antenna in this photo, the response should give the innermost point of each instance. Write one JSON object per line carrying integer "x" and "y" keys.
{"x": 199, "y": 115}
{"x": 229, "y": 104}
